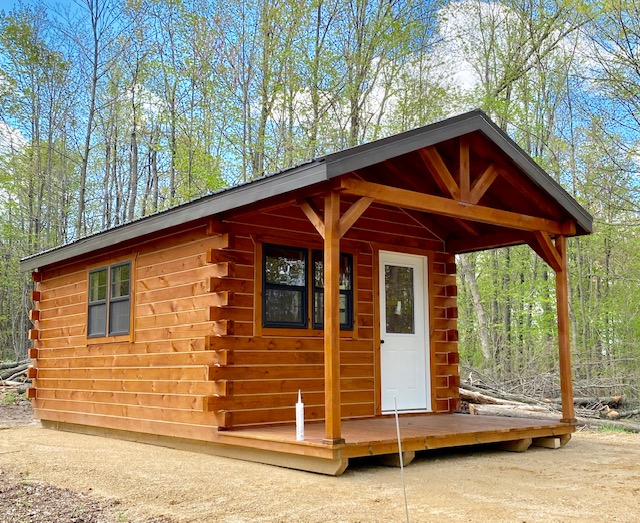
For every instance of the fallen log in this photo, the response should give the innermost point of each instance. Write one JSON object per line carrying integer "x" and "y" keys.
{"x": 585, "y": 401}
{"x": 518, "y": 398}
{"x": 530, "y": 412}
{"x": 629, "y": 413}
{"x": 587, "y": 413}
{"x": 15, "y": 370}
{"x": 19, "y": 386}
{"x": 21, "y": 374}
{"x": 484, "y": 399}
{"x": 515, "y": 411}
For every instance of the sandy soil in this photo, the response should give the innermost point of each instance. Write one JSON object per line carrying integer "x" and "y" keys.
{"x": 595, "y": 478}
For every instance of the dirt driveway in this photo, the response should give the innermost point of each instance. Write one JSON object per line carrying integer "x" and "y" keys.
{"x": 596, "y": 477}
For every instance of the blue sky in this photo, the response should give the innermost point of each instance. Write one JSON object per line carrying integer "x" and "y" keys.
{"x": 7, "y": 5}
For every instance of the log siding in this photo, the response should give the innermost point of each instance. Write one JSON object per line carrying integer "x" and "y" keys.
{"x": 197, "y": 354}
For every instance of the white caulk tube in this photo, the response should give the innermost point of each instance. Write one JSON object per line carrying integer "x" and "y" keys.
{"x": 299, "y": 418}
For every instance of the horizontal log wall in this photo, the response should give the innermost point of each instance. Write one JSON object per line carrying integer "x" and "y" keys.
{"x": 193, "y": 361}
{"x": 263, "y": 375}
{"x": 157, "y": 378}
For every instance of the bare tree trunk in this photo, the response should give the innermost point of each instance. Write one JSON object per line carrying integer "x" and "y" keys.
{"x": 133, "y": 176}
{"x": 483, "y": 330}
{"x": 95, "y": 17}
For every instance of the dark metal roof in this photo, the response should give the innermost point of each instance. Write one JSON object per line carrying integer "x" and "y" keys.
{"x": 316, "y": 171}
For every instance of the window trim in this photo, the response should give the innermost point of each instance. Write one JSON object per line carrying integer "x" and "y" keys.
{"x": 108, "y": 333}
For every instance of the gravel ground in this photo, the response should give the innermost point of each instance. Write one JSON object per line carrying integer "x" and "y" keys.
{"x": 595, "y": 478}
{"x": 14, "y": 410}
{"x": 22, "y": 500}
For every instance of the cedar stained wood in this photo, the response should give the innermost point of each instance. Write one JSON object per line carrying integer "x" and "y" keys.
{"x": 193, "y": 360}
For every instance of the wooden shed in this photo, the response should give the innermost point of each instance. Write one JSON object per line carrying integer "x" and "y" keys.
{"x": 197, "y": 326}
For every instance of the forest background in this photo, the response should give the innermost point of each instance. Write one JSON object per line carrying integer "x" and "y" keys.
{"x": 115, "y": 109}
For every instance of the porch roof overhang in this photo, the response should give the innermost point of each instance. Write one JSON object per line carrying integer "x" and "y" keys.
{"x": 429, "y": 148}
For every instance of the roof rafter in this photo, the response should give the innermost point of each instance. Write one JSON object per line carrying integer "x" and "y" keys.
{"x": 434, "y": 162}
{"x": 482, "y": 183}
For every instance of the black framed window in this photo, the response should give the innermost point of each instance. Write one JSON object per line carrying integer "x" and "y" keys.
{"x": 285, "y": 287}
{"x": 346, "y": 290}
{"x": 109, "y": 300}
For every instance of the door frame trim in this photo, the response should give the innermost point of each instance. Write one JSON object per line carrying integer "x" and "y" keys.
{"x": 377, "y": 249}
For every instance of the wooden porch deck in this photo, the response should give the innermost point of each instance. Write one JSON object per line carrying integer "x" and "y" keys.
{"x": 377, "y": 436}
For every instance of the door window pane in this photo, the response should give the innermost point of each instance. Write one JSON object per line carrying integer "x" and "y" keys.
{"x": 399, "y": 299}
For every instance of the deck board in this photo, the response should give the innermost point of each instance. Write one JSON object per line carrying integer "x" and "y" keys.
{"x": 364, "y": 437}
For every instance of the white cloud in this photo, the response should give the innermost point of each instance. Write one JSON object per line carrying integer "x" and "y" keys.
{"x": 11, "y": 140}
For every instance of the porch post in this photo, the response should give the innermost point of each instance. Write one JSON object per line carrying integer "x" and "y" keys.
{"x": 564, "y": 345}
{"x": 332, "y": 318}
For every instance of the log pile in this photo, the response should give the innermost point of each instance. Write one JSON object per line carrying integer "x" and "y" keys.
{"x": 590, "y": 411}
{"x": 13, "y": 376}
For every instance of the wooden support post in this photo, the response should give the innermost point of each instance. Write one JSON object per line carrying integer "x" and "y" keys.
{"x": 393, "y": 460}
{"x": 549, "y": 442}
{"x": 564, "y": 342}
{"x": 463, "y": 169}
{"x": 518, "y": 445}
{"x": 332, "y": 318}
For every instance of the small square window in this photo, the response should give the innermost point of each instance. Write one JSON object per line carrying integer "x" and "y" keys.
{"x": 287, "y": 287}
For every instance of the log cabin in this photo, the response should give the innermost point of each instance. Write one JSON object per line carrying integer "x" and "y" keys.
{"x": 197, "y": 326}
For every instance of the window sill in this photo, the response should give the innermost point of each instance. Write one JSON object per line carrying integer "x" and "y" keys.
{"x": 101, "y": 340}
{"x": 301, "y": 333}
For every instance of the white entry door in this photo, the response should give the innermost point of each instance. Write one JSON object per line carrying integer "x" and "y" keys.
{"x": 404, "y": 333}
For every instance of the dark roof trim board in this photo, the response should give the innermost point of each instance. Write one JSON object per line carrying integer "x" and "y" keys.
{"x": 375, "y": 152}
{"x": 316, "y": 171}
